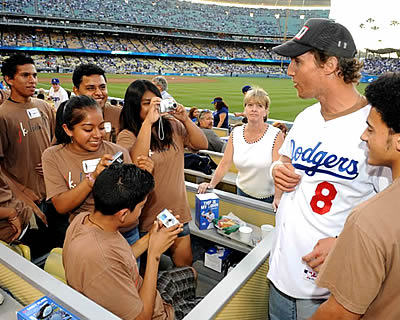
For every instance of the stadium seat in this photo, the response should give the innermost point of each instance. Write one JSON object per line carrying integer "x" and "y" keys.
{"x": 54, "y": 264}
{"x": 21, "y": 249}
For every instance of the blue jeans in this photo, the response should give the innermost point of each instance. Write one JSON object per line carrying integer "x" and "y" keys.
{"x": 240, "y": 192}
{"x": 132, "y": 235}
{"x": 185, "y": 232}
{"x": 283, "y": 307}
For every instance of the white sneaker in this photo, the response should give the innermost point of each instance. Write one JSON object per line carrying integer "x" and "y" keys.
{"x": 1, "y": 298}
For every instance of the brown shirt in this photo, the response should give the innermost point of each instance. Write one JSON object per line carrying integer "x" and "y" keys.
{"x": 111, "y": 115}
{"x": 7, "y": 200}
{"x": 26, "y": 131}
{"x": 363, "y": 269}
{"x": 101, "y": 266}
{"x": 4, "y": 94}
{"x": 170, "y": 190}
{"x": 64, "y": 169}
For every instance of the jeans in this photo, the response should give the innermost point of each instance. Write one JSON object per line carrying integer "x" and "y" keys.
{"x": 283, "y": 307}
{"x": 240, "y": 192}
{"x": 185, "y": 232}
{"x": 132, "y": 235}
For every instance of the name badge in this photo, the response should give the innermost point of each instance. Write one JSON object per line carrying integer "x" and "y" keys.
{"x": 33, "y": 113}
{"x": 107, "y": 126}
{"x": 90, "y": 165}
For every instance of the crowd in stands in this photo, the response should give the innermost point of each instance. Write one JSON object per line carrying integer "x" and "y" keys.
{"x": 126, "y": 64}
{"x": 377, "y": 66}
{"x": 154, "y": 45}
{"x": 167, "y": 13}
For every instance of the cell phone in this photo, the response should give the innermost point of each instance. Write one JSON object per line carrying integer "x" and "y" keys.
{"x": 167, "y": 218}
{"x": 118, "y": 157}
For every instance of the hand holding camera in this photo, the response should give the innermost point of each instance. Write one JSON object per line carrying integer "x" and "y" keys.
{"x": 163, "y": 238}
{"x": 168, "y": 105}
{"x": 153, "y": 113}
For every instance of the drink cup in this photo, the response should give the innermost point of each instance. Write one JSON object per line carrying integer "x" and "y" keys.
{"x": 266, "y": 229}
{"x": 245, "y": 233}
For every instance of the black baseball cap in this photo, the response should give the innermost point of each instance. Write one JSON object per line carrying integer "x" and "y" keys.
{"x": 322, "y": 34}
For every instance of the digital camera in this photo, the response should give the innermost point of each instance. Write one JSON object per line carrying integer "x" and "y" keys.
{"x": 167, "y": 218}
{"x": 118, "y": 157}
{"x": 167, "y": 105}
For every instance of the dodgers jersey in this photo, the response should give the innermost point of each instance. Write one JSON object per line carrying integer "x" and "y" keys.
{"x": 332, "y": 160}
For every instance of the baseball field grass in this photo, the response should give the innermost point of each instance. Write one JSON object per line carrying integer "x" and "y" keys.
{"x": 200, "y": 91}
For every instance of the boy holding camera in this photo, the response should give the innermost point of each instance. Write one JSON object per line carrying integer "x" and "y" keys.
{"x": 106, "y": 271}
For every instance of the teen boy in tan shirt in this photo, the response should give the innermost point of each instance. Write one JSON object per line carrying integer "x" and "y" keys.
{"x": 362, "y": 271}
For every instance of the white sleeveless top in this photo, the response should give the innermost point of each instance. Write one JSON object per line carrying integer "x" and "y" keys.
{"x": 253, "y": 161}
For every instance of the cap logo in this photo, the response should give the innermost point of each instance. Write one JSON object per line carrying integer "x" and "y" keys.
{"x": 301, "y": 33}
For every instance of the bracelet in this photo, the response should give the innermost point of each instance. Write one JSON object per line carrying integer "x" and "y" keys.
{"x": 273, "y": 165}
{"x": 91, "y": 179}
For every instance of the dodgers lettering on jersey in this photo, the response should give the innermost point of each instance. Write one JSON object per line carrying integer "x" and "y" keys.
{"x": 315, "y": 159}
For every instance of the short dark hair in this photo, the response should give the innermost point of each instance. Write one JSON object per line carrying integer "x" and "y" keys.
{"x": 349, "y": 68}
{"x": 384, "y": 95}
{"x": 9, "y": 67}
{"x": 121, "y": 186}
{"x": 86, "y": 69}
{"x": 72, "y": 112}
{"x": 113, "y": 102}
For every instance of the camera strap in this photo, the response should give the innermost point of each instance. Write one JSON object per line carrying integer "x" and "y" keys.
{"x": 160, "y": 129}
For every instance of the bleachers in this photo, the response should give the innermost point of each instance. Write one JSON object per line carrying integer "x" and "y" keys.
{"x": 168, "y": 13}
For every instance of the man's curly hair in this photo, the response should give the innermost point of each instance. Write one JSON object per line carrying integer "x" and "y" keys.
{"x": 349, "y": 68}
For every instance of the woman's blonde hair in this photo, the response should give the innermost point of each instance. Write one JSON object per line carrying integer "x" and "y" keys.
{"x": 259, "y": 95}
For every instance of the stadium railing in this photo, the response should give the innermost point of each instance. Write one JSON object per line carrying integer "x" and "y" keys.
{"x": 28, "y": 283}
{"x": 244, "y": 292}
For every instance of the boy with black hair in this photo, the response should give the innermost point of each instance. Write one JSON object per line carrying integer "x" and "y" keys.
{"x": 90, "y": 80}
{"x": 363, "y": 269}
{"x": 100, "y": 264}
{"x": 26, "y": 129}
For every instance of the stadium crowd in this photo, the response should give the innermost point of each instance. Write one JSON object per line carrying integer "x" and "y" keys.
{"x": 198, "y": 16}
{"x": 378, "y": 65}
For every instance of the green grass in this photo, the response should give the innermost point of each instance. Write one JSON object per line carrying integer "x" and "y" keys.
{"x": 285, "y": 103}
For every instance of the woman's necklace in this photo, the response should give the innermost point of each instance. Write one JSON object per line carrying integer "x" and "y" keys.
{"x": 258, "y": 137}
{"x": 92, "y": 222}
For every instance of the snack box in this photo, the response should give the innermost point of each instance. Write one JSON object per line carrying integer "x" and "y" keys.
{"x": 45, "y": 308}
{"x": 207, "y": 209}
{"x": 217, "y": 258}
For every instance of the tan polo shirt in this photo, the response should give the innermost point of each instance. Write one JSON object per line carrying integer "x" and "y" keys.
{"x": 170, "y": 190}
{"x": 101, "y": 266}
{"x": 26, "y": 131}
{"x": 64, "y": 169}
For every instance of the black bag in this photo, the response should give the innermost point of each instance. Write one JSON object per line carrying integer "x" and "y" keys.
{"x": 202, "y": 163}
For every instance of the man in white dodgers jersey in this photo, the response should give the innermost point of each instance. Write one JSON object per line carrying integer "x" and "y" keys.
{"x": 323, "y": 168}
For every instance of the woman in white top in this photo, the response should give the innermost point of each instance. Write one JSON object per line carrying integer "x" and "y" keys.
{"x": 252, "y": 148}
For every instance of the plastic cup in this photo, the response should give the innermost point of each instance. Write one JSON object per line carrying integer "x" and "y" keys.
{"x": 266, "y": 229}
{"x": 245, "y": 233}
